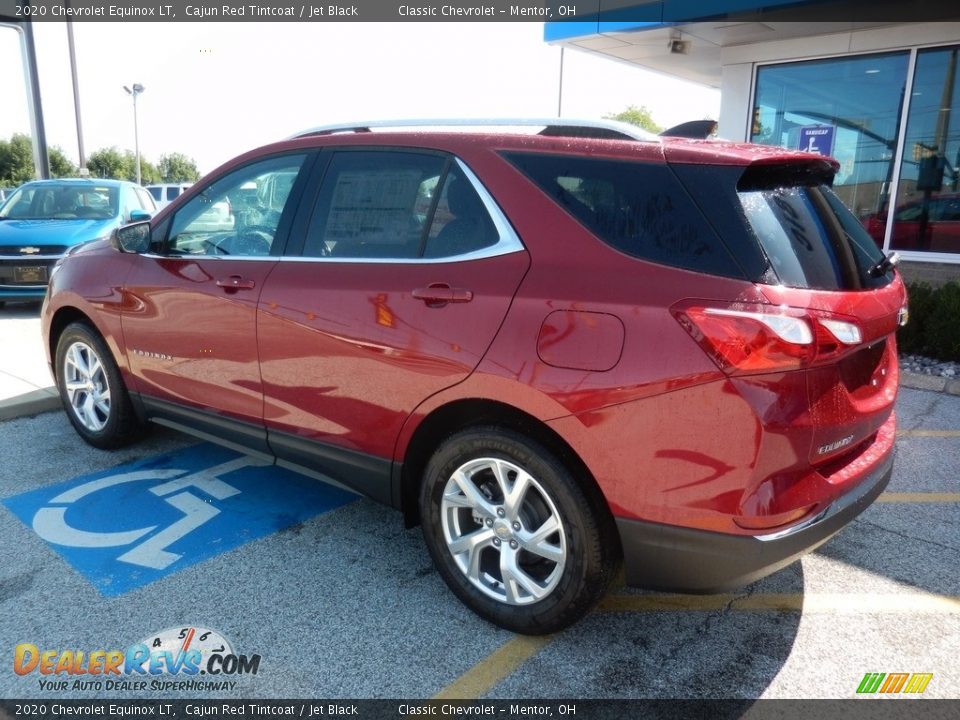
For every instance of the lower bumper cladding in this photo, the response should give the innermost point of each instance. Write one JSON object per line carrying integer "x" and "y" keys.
{"x": 670, "y": 558}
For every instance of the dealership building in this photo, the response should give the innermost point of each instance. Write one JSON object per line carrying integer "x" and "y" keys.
{"x": 880, "y": 96}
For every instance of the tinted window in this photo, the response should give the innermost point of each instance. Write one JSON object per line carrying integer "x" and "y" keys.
{"x": 173, "y": 192}
{"x": 638, "y": 208}
{"x": 238, "y": 214}
{"x": 811, "y": 239}
{"x": 157, "y": 193}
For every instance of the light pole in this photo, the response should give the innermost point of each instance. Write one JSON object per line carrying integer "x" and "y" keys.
{"x": 137, "y": 89}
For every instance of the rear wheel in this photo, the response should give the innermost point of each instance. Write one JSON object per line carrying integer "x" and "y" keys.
{"x": 513, "y": 533}
{"x": 92, "y": 390}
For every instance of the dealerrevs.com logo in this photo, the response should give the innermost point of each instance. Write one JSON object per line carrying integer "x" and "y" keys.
{"x": 183, "y": 653}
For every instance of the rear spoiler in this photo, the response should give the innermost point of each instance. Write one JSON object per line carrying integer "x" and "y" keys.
{"x": 693, "y": 129}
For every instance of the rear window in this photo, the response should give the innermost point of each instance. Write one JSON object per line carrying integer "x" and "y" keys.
{"x": 811, "y": 239}
{"x": 640, "y": 209}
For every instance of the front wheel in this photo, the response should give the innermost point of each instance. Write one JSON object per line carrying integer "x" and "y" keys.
{"x": 513, "y": 533}
{"x": 92, "y": 390}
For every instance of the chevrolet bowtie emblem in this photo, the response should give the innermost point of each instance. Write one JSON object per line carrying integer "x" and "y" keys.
{"x": 29, "y": 250}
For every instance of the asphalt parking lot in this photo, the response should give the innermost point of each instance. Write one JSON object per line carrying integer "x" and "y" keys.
{"x": 103, "y": 550}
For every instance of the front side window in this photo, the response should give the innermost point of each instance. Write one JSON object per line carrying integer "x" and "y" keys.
{"x": 397, "y": 205}
{"x": 238, "y": 214}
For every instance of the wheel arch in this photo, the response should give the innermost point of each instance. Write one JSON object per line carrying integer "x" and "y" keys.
{"x": 462, "y": 414}
{"x": 61, "y": 319}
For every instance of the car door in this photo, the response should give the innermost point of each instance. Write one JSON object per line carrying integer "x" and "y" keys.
{"x": 189, "y": 318}
{"x": 405, "y": 273}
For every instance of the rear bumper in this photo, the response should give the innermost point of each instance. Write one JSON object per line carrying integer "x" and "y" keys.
{"x": 665, "y": 557}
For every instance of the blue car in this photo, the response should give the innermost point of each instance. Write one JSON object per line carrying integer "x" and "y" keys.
{"x": 44, "y": 219}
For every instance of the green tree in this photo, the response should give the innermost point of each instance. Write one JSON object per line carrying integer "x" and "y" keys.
{"x": 60, "y": 164}
{"x": 178, "y": 168}
{"x": 110, "y": 163}
{"x": 639, "y": 116}
{"x": 148, "y": 171}
{"x": 16, "y": 160}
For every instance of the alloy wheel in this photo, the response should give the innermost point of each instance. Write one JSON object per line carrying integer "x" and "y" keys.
{"x": 503, "y": 531}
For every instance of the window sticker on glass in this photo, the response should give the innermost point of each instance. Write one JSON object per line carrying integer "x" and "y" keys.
{"x": 375, "y": 206}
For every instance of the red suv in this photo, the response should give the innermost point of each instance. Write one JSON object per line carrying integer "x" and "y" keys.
{"x": 554, "y": 348}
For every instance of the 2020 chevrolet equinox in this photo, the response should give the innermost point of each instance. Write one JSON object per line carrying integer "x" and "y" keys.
{"x": 556, "y": 347}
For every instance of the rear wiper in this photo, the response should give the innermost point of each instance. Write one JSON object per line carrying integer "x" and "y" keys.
{"x": 888, "y": 263}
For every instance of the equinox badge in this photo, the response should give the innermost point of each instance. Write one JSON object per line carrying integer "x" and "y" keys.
{"x": 843, "y": 442}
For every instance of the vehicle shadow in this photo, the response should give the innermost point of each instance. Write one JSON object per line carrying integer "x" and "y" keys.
{"x": 707, "y": 648}
{"x": 641, "y": 646}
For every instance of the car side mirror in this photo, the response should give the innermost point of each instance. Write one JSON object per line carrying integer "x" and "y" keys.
{"x": 139, "y": 215}
{"x": 132, "y": 238}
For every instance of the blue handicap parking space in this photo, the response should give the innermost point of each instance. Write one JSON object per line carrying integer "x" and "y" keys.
{"x": 136, "y": 523}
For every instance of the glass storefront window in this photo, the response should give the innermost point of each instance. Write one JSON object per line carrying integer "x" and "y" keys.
{"x": 845, "y": 107}
{"x": 927, "y": 212}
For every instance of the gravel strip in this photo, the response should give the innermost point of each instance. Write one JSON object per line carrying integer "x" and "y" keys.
{"x": 928, "y": 366}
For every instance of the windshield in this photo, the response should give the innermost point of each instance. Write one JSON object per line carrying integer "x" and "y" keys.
{"x": 62, "y": 201}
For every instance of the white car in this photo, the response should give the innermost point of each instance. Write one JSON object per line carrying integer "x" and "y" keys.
{"x": 165, "y": 193}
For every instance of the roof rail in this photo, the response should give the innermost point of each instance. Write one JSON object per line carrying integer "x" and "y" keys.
{"x": 556, "y": 127}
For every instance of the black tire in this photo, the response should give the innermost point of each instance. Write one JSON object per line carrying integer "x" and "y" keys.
{"x": 106, "y": 425}
{"x": 585, "y": 540}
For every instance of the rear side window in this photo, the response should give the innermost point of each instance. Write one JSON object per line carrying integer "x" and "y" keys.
{"x": 811, "y": 239}
{"x": 157, "y": 193}
{"x": 173, "y": 192}
{"x": 381, "y": 205}
{"x": 638, "y": 208}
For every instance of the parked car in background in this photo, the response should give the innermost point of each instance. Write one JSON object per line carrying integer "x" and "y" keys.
{"x": 554, "y": 349}
{"x": 165, "y": 193}
{"x": 42, "y": 220}
{"x": 931, "y": 224}
{"x": 5, "y": 193}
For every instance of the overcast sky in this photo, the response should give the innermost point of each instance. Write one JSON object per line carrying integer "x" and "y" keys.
{"x": 214, "y": 90}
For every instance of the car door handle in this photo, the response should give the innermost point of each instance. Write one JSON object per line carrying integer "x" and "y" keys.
{"x": 439, "y": 294}
{"x": 236, "y": 282}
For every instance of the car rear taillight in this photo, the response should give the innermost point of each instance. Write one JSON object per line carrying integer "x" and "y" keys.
{"x": 744, "y": 339}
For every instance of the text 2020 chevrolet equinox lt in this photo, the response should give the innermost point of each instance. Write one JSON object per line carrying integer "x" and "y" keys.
{"x": 555, "y": 348}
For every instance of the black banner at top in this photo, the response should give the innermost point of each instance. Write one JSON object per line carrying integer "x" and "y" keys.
{"x": 590, "y": 11}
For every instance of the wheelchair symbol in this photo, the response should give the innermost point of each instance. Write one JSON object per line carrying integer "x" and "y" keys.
{"x": 50, "y": 522}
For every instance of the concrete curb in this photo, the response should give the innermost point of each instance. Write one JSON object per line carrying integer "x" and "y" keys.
{"x": 918, "y": 381}
{"x": 31, "y": 403}
{"x": 48, "y": 400}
